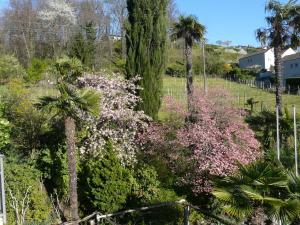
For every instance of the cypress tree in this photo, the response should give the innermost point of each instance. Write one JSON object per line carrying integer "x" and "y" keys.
{"x": 146, "y": 49}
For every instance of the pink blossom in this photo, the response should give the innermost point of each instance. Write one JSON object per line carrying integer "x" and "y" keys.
{"x": 214, "y": 143}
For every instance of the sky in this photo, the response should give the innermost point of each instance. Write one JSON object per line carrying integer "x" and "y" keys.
{"x": 225, "y": 20}
{"x": 3, "y": 3}
{"x": 232, "y": 20}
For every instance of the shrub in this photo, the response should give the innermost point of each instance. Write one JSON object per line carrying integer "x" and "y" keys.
{"x": 176, "y": 70}
{"x": 104, "y": 184}
{"x": 118, "y": 121}
{"x": 10, "y": 68}
{"x": 26, "y": 121}
{"x": 36, "y": 69}
{"x": 23, "y": 184}
{"x": 4, "y": 130}
{"x": 212, "y": 145}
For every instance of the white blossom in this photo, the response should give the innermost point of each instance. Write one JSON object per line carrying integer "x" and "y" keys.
{"x": 58, "y": 10}
{"x": 118, "y": 121}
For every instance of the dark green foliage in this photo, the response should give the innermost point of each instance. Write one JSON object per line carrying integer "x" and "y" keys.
{"x": 176, "y": 70}
{"x": 20, "y": 177}
{"x": 264, "y": 185}
{"x": 83, "y": 46}
{"x": 104, "y": 183}
{"x": 241, "y": 74}
{"x": 264, "y": 125}
{"x": 293, "y": 84}
{"x": 53, "y": 166}
{"x": 146, "y": 45}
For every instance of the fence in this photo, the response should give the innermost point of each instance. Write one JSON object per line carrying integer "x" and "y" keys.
{"x": 240, "y": 91}
{"x": 266, "y": 86}
{"x": 100, "y": 219}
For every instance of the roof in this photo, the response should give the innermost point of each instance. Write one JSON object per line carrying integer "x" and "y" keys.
{"x": 256, "y": 53}
{"x": 291, "y": 57}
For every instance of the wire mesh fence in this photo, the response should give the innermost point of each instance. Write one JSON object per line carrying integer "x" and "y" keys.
{"x": 242, "y": 93}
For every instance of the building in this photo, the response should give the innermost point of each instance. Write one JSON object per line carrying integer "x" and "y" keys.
{"x": 291, "y": 68}
{"x": 263, "y": 59}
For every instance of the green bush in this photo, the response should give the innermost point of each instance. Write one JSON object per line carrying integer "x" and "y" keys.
{"x": 4, "y": 130}
{"x": 147, "y": 186}
{"x": 176, "y": 70}
{"x": 36, "y": 69}
{"x": 21, "y": 179}
{"x": 52, "y": 162}
{"x": 10, "y": 68}
{"x": 104, "y": 184}
{"x": 26, "y": 122}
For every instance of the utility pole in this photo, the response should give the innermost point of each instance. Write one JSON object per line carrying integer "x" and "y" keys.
{"x": 296, "y": 145}
{"x": 204, "y": 64}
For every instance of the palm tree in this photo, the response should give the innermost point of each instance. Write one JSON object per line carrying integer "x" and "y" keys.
{"x": 190, "y": 30}
{"x": 283, "y": 32}
{"x": 69, "y": 105}
{"x": 262, "y": 190}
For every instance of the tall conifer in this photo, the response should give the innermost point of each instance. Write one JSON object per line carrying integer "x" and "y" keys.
{"x": 146, "y": 49}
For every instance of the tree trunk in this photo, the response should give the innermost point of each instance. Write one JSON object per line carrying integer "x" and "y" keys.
{"x": 71, "y": 154}
{"x": 189, "y": 76}
{"x": 123, "y": 40}
{"x": 278, "y": 78}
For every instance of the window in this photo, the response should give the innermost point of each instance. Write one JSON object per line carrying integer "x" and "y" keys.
{"x": 296, "y": 65}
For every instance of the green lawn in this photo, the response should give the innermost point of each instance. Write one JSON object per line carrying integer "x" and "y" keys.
{"x": 239, "y": 92}
{"x": 35, "y": 91}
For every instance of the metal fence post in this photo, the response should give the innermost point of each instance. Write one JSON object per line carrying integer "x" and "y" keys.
{"x": 186, "y": 215}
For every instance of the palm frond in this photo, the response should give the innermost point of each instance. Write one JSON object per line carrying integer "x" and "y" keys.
{"x": 90, "y": 101}
{"x": 46, "y": 103}
{"x": 238, "y": 211}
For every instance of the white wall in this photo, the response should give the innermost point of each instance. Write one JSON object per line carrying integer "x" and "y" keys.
{"x": 269, "y": 59}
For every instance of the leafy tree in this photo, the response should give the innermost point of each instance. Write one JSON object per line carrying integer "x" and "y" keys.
{"x": 83, "y": 46}
{"x": 105, "y": 183}
{"x": 69, "y": 104}
{"x": 10, "y": 68}
{"x": 190, "y": 30}
{"x": 212, "y": 145}
{"x": 118, "y": 120}
{"x": 262, "y": 187}
{"x": 283, "y": 32}
{"x": 146, "y": 46}
{"x": 24, "y": 191}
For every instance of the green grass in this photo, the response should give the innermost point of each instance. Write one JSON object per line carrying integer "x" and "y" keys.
{"x": 239, "y": 93}
{"x": 35, "y": 92}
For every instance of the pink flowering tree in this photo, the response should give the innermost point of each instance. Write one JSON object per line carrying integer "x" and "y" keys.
{"x": 118, "y": 121}
{"x": 213, "y": 145}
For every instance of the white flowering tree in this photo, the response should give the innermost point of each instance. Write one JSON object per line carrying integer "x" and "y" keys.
{"x": 58, "y": 16}
{"x": 118, "y": 121}
{"x": 58, "y": 11}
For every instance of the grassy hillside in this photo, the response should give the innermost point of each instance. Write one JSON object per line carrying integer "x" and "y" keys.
{"x": 239, "y": 93}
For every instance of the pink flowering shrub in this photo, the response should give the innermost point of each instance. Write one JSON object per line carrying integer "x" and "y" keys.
{"x": 118, "y": 121}
{"x": 211, "y": 146}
